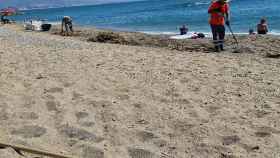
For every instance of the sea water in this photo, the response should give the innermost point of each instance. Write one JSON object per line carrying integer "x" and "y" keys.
{"x": 164, "y": 16}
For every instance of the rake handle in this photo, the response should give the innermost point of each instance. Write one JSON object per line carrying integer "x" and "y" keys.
{"x": 33, "y": 151}
{"x": 233, "y": 35}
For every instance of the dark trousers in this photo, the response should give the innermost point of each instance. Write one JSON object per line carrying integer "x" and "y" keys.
{"x": 218, "y": 32}
{"x": 69, "y": 27}
{"x": 262, "y": 32}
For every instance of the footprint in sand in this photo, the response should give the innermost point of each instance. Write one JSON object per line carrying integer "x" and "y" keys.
{"x": 52, "y": 105}
{"x": 123, "y": 97}
{"x": 184, "y": 80}
{"x": 261, "y": 113}
{"x": 213, "y": 110}
{"x": 3, "y": 111}
{"x": 50, "y": 97}
{"x": 82, "y": 119}
{"x": 266, "y": 131}
{"x": 92, "y": 152}
{"x": 3, "y": 115}
{"x": 262, "y": 134}
{"x": 103, "y": 104}
{"x": 54, "y": 90}
{"x": 71, "y": 132}
{"x": 28, "y": 101}
{"x": 76, "y": 96}
{"x": 30, "y": 131}
{"x": 67, "y": 84}
{"x": 140, "y": 153}
{"x": 137, "y": 105}
{"x": 145, "y": 136}
{"x": 183, "y": 101}
{"x": 229, "y": 140}
{"x": 28, "y": 115}
{"x": 81, "y": 115}
{"x": 182, "y": 127}
{"x": 172, "y": 92}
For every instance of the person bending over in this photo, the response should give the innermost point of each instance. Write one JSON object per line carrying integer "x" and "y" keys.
{"x": 67, "y": 24}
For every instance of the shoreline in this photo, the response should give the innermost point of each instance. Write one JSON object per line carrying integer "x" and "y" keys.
{"x": 160, "y": 33}
{"x": 153, "y": 32}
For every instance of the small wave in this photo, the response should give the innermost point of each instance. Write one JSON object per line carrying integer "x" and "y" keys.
{"x": 275, "y": 32}
{"x": 207, "y": 34}
{"x": 55, "y": 22}
{"x": 175, "y": 35}
{"x": 246, "y": 33}
{"x": 202, "y": 3}
{"x": 158, "y": 33}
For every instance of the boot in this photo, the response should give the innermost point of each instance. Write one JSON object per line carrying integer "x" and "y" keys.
{"x": 222, "y": 47}
{"x": 217, "y": 49}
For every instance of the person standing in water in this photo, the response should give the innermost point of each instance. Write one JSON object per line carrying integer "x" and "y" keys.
{"x": 183, "y": 30}
{"x": 262, "y": 27}
{"x": 219, "y": 16}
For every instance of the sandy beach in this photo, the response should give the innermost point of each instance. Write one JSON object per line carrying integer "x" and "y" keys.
{"x": 85, "y": 99}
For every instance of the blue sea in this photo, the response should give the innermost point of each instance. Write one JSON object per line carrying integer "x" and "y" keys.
{"x": 164, "y": 16}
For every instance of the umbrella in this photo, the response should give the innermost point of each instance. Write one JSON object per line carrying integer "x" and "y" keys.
{"x": 8, "y": 11}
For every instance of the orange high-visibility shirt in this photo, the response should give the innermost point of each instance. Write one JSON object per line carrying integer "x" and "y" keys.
{"x": 215, "y": 18}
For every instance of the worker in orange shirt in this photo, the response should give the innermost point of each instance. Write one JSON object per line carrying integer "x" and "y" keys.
{"x": 219, "y": 16}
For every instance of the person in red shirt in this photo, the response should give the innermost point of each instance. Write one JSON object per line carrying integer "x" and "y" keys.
{"x": 219, "y": 16}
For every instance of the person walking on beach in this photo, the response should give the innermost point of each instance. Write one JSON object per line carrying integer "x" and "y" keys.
{"x": 67, "y": 24}
{"x": 219, "y": 16}
{"x": 262, "y": 27}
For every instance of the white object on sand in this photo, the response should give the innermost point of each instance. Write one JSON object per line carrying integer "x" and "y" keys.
{"x": 37, "y": 25}
{"x": 181, "y": 36}
{"x": 188, "y": 35}
{"x": 33, "y": 25}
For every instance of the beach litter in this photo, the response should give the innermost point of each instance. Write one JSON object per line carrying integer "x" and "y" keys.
{"x": 239, "y": 44}
{"x": 140, "y": 39}
{"x": 108, "y": 37}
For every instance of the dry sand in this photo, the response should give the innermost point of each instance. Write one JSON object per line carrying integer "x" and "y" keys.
{"x": 94, "y": 100}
